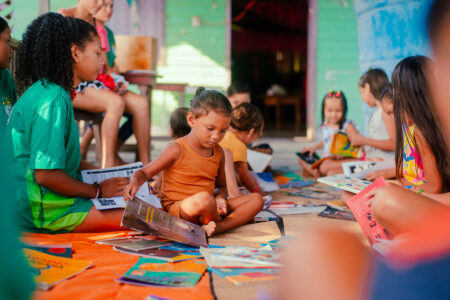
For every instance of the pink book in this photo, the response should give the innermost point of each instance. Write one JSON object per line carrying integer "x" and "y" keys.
{"x": 363, "y": 214}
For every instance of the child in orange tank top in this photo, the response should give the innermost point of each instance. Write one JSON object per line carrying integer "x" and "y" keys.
{"x": 193, "y": 166}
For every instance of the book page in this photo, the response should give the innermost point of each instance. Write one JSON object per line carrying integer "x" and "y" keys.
{"x": 100, "y": 175}
{"x": 258, "y": 161}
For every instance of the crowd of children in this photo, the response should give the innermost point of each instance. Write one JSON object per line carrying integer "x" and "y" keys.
{"x": 62, "y": 63}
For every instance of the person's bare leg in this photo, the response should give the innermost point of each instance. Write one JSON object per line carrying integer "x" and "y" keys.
{"x": 397, "y": 208}
{"x": 86, "y": 141}
{"x": 324, "y": 256}
{"x": 243, "y": 209}
{"x": 306, "y": 168}
{"x": 118, "y": 161}
{"x": 334, "y": 166}
{"x": 101, "y": 221}
{"x": 230, "y": 173}
{"x": 137, "y": 105}
{"x": 101, "y": 100}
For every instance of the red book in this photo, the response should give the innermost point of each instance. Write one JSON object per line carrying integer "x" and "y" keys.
{"x": 363, "y": 214}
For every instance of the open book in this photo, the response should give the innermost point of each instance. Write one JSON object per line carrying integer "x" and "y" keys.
{"x": 141, "y": 216}
{"x": 100, "y": 175}
{"x": 258, "y": 161}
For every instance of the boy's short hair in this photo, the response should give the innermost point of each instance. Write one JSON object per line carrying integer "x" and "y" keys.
{"x": 178, "y": 122}
{"x": 238, "y": 88}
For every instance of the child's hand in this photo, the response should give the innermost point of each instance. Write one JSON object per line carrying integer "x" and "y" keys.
{"x": 311, "y": 150}
{"x": 374, "y": 175}
{"x": 221, "y": 206}
{"x": 113, "y": 187}
{"x": 356, "y": 139}
{"x": 136, "y": 180}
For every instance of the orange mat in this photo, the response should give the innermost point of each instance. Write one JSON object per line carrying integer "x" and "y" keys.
{"x": 98, "y": 282}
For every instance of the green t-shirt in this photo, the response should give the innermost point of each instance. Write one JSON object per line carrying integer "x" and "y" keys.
{"x": 8, "y": 98}
{"x": 44, "y": 135}
{"x": 111, "y": 54}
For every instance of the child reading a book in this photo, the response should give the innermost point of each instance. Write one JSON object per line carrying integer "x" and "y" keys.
{"x": 334, "y": 119}
{"x": 55, "y": 55}
{"x": 193, "y": 166}
{"x": 7, "y": 85}
{"x": 246, "y": 125}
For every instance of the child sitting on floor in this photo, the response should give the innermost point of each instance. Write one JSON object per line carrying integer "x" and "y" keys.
{"x": 7, "y": 85}
{"x": 193, "y": 166}
{"x": 55, "y": 55}
{"x": 246, "y": 125}
{"x": 334, "y": 119}
{"x": 420, "y": 154}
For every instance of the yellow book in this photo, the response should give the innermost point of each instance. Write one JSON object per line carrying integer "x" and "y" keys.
{"x": 341, "y": 146}
{"x": 50, "y": 269}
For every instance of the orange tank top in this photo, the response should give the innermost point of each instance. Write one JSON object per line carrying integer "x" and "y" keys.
{"x": 190, "y": 174}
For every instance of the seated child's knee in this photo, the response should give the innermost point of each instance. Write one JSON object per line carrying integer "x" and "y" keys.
{"x": 382, "y": 203}
{"x": 257, "y": 199}
{"x": 116, "y": 102}
{"x": 203, "y": 200}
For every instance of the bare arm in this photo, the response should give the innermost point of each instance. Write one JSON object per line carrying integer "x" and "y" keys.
{"x": 312, "y": 149}
{"x": 246, "y": 179}
{"x": 358, "y": 139}
{"x": 167, "y": 158}
{"x": 84, "y": 165}
{"x": 433, "y": 179}
{"x": 60, "y": 182}
{"x": 230, "y": 174}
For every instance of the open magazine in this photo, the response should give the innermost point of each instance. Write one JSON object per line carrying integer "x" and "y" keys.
{"x": 100, "y": 175}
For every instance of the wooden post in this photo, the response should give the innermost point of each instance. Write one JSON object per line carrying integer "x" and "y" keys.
{"x": 44, "y": 6}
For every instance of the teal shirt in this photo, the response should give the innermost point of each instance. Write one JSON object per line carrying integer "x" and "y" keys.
{"x": 111, "y": 54}
{"x": 44, "y": 135}
{"x": 8, "y": 98}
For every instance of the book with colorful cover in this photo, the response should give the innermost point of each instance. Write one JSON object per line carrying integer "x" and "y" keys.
{"x": 345, "y": 183}
{"x": 331, "y": 212}
{"x": 61, "y": 250}
{"x": 278, "y": 244}
{"x": 322, "y": 193}
{"x": 266, "y": 181}
{"x": 161, "y": 254}
{"x": 50, "y": 269}
{"x": 264, "y": 256}
{"x": 299, "y": 209}
{"x": 159, "y": 272}
{"x": 363, "y": 214}
{"x": 134, "y": 243}
{"x": 216, "y": 260}
{"x": 242, "y": 275}
{"x": 341, "y": 146}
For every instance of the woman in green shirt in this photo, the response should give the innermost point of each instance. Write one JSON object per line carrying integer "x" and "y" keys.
{"x": 56, "y": 54}
{"x": 7, "y": 85}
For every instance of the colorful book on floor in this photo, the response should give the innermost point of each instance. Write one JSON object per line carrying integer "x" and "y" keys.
{"x": 265, "y": 181}
{"x": 363, "y": 214}
{"x": 278, "y": 244}
{"x": 215, "y": 259}
{"x": 100, "y": 175}
{"x": 331, "y": 212}
{"x": 341, "y": 146}
{"x": 307, "y": 157}
{"x": 321, "y": 193}
{"x": 62, "y": 250}
{"x": 141, "y": 216}
{"x": 51, "y": 269}
{"x": 345, "y": 183}
{"x": 267, "y": 215}
{"x": 299, "y": 209}
{"x": 338, "y": 204}
{"x": 282, "y": 204}
{"x": 258, "y": 161}
{"x": 267, "y": 201}
{"x": 263, "y": 256}
{"x": 157, "y": 272}
{"x": 240, "y": 275}
{"x": 134, "y": 243}
{"x": 161, "y": 254}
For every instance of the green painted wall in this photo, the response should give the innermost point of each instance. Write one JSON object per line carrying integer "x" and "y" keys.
{"x": 25, "y": 11}
{"x": 195, "y": 55}
{"x": 337, "y": 56}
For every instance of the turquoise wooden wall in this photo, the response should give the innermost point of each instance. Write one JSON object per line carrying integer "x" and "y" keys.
{"x": 337, "y": 55}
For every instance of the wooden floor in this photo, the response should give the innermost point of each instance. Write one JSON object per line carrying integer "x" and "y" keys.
{"x": 255, "y": 234}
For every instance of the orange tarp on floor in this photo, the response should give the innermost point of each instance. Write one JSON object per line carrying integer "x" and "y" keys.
{"x": 98, "y": 282}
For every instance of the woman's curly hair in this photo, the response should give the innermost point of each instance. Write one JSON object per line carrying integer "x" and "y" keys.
{"x": 45, "y": 50}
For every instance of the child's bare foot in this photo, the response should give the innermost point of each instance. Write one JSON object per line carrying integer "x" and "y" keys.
{"x": 210, "y": 228}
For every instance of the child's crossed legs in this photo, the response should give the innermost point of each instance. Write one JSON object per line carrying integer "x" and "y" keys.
{"x": 202, "y": 208}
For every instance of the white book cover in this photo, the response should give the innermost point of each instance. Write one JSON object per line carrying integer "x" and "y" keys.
{"x": 345, "y": 183}
{"x": 258, "y": 161}
{"x": 100, "y": 175}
